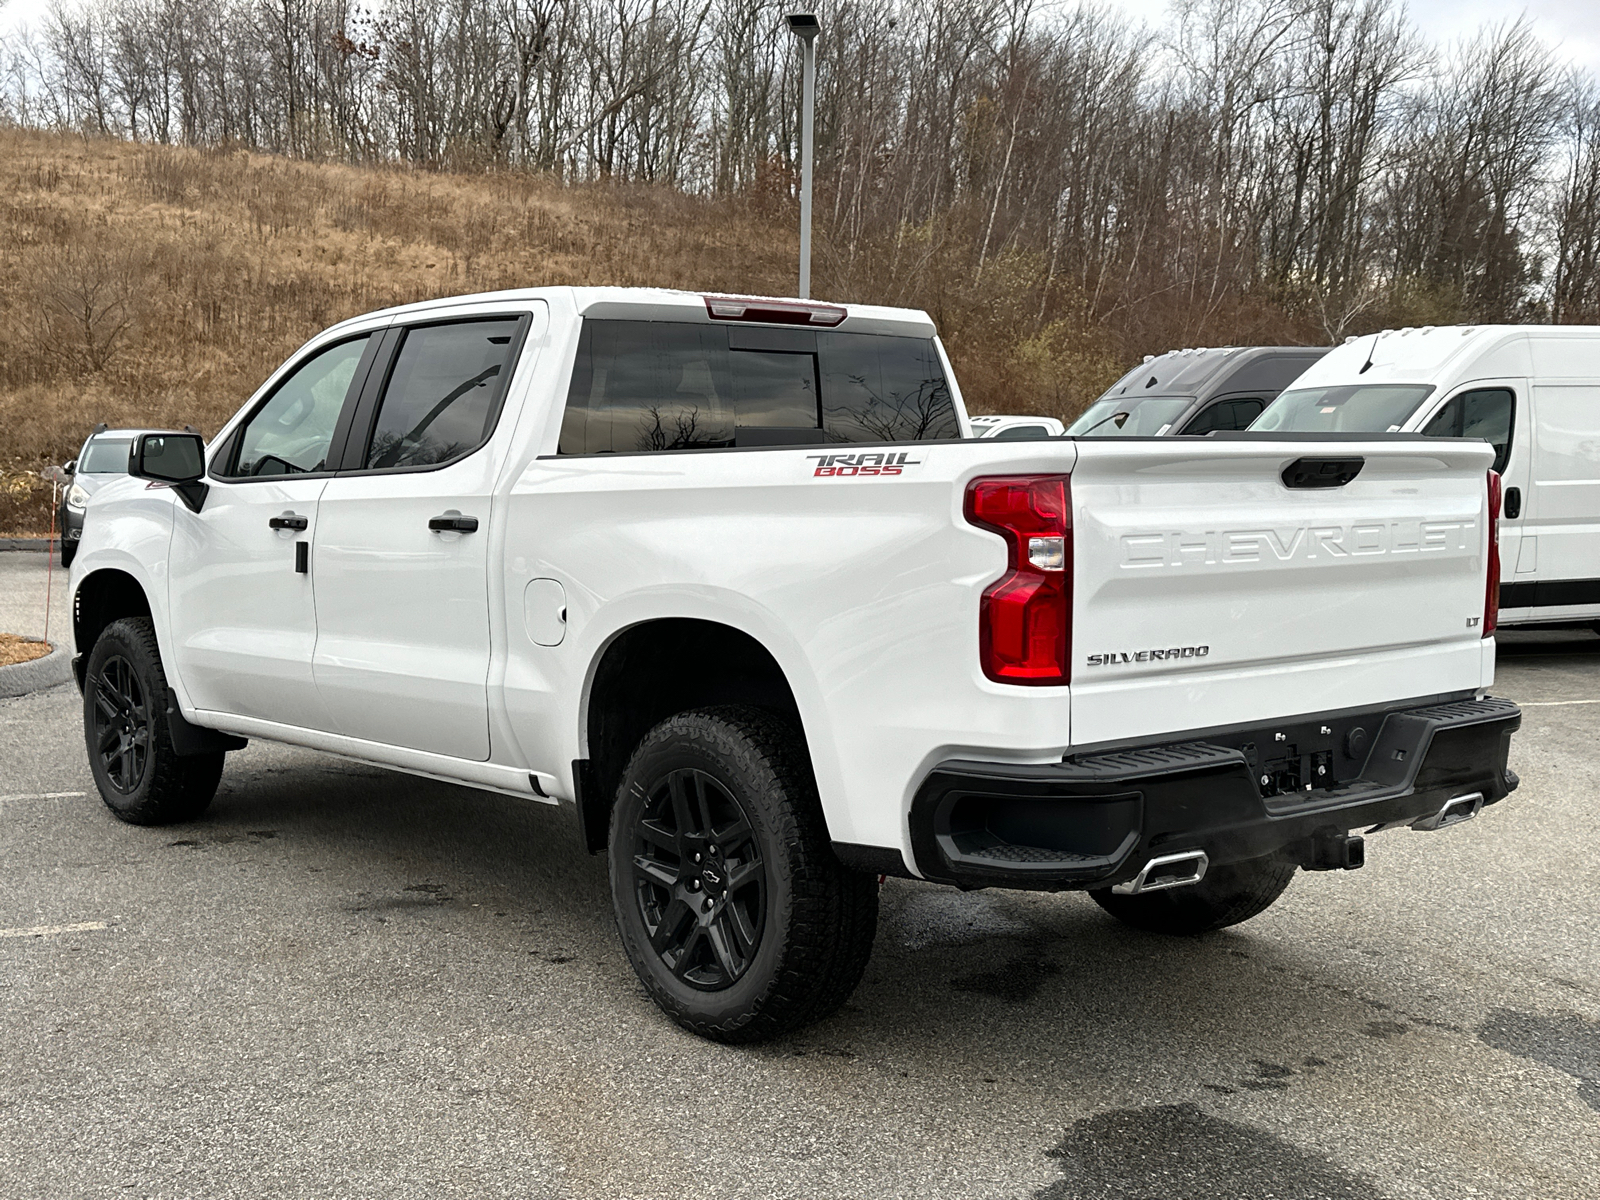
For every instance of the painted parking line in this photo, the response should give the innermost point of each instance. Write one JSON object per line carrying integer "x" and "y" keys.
{"x": 52, "y": 930}
{"x": 1552, "y": 703}
{"x": 42, "y": 796}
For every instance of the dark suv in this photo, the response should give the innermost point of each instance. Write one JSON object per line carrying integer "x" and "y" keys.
{"x": 104, "y": 456}
{"x": 1192, "y": 392}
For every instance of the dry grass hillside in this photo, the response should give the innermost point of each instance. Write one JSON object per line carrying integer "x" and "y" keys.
{"x": 159, "y": 286}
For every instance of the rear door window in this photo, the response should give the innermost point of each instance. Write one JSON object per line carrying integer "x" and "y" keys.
{"x": 443, "y": 393}
{"x": 1484, "y": 413}
{"x": 656, "y": 385}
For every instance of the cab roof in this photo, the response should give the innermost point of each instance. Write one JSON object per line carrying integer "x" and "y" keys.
{"x": 666, "y": 304}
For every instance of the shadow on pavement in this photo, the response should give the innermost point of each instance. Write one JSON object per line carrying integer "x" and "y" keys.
{"x": 979, "y": 1010}
{"x": 963, "y": 984}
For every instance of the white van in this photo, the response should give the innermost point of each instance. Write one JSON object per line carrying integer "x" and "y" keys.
{"x": 1533, "y": 392}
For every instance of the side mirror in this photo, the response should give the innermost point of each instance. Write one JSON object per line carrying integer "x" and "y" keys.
{"x": 178, "y": 459}
{"x": 70, "y": 468}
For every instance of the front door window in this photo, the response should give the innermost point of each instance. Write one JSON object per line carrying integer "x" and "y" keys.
{"x": 292, "y": 432}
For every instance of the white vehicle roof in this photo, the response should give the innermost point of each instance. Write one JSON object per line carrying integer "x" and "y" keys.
{"x": 985, "y": 426}
{"x": 666, "y": 304}
{"x": 128, "y": 432}
{"x": 1447, "y": 355}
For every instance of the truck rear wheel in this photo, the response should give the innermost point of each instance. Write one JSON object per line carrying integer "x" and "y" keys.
{"x": 1226, "y": 896}
{"x": 733, "y": 910}
{"x": 140, "y": 776}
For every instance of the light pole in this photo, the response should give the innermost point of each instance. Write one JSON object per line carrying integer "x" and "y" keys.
{"x": 805, "y": 26}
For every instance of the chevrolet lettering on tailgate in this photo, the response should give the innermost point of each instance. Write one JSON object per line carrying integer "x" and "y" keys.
{"x": 1227, "y": 547}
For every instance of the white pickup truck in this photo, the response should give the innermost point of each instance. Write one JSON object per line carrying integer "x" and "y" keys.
{"x": 723, "y": 575}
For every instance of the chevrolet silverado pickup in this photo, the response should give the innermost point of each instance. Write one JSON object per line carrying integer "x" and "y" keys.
{"x": 727, "y": 577}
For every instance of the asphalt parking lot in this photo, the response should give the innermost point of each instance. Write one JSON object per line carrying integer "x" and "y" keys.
{"x": 345, "y": 982}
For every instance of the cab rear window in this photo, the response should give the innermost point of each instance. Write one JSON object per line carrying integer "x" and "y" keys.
{"x": 658, "y": 385}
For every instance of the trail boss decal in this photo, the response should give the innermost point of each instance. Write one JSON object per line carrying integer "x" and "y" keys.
{"x": 1118, "y": 657}
{"x": 869, "y": 462}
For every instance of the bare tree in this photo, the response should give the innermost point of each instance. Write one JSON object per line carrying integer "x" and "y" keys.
{"x": 1259, "y": 168}
{"x": 1575, "y": 216}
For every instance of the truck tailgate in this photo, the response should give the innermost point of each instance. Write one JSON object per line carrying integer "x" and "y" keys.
{"x": 1208, "y": 593}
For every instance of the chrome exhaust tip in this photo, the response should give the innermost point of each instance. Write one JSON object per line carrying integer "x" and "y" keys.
{"x": 1455, "y": 811}
{"x": 1168, "y": 871}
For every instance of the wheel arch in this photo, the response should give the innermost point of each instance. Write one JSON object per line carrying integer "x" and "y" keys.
{"x": 651, "y": 670}
{"x": 104, "y": 596}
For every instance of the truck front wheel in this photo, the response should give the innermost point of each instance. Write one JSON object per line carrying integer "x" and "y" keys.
{"x": 733, "y": 910}
{"x": 1226, "y": 896}
{"x": 142, "y": 779}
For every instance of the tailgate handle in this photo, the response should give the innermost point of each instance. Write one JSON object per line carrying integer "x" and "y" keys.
{"x": 1321, "y": 472}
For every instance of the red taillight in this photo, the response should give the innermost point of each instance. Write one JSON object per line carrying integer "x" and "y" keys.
{"x": 1491, "y": 594}
{"x": 1025, "y": 617}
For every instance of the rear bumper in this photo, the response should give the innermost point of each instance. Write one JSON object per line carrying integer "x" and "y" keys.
{"x": 1095, "y": 822}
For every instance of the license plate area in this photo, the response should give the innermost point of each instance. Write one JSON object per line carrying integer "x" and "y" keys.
{"x": 1294, "y": 758}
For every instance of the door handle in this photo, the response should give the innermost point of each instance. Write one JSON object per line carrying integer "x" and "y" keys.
{"x": 1513, "y": 503}
{"x": 453, "y": 524}
{"x": 287, "y": 521}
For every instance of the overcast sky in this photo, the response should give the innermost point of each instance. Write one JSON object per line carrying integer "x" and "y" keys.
{"x": 1573, "y": 26}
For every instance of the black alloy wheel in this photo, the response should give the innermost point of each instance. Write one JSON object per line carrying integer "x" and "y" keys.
{"x": 138, "y": 771}
{"x": 122, "y": 725}
{"x": 700, "y": 880}
{"x": 733, "y": 910}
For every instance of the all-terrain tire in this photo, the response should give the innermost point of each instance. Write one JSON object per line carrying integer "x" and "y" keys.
{"x": 778, "y": 933}
{"x": 1226, "y": 896}
{"x": 141, "y": 778}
